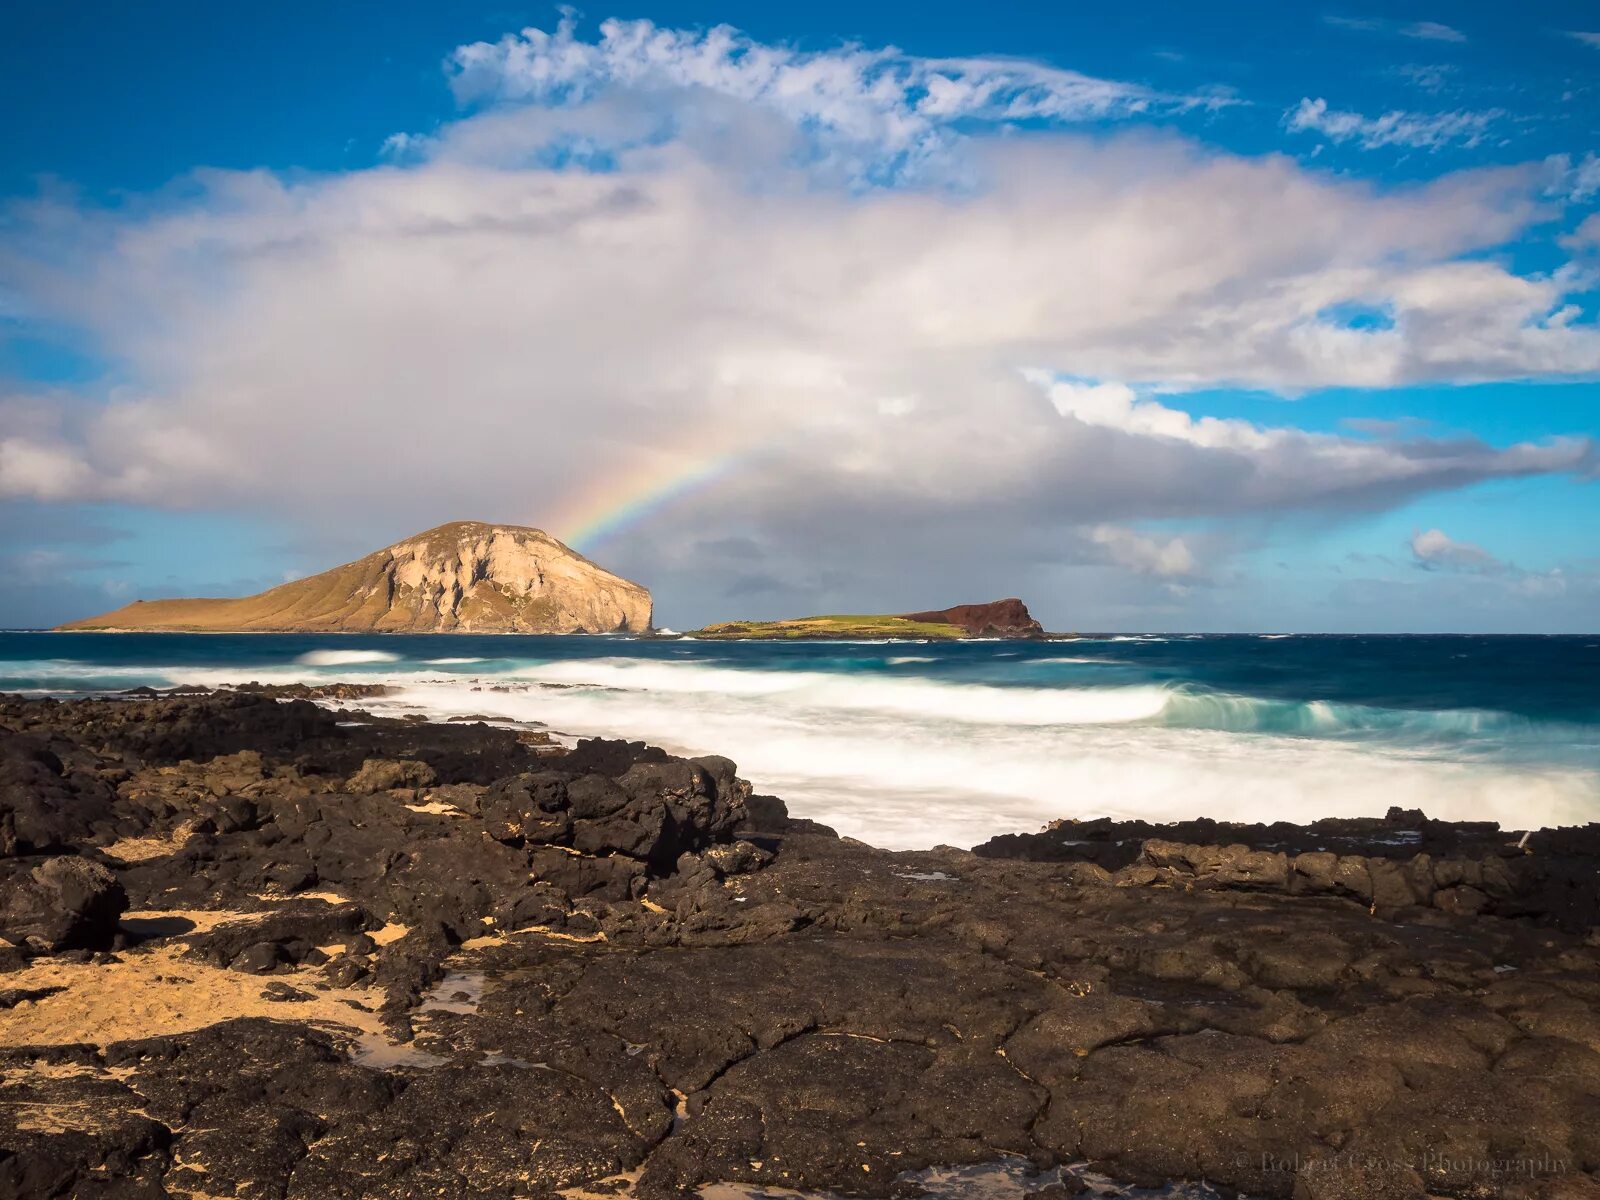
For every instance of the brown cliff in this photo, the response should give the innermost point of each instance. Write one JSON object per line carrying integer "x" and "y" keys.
{"x": 998, "y": 618}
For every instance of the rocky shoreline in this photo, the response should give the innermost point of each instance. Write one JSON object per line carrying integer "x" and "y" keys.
{"x": 256, "y": 945}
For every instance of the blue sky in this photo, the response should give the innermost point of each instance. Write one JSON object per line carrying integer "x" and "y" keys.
{"x": 1245, "y": 316}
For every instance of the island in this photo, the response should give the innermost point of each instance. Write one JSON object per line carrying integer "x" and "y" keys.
{"x": 1007, "y": 618}
{"x": 463, "y": 577}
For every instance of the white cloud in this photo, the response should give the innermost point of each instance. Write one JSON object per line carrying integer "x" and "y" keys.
{"x": 1588, "y": 39}
{"x": 1586, "y": 238}
{"x": 1164, "y": 558}
{"x": 42, "y": 471}
{"x": 1423, "y": 131}
{"x": 900, "y": 106}
{"x": 1427, "y": 31}
{"x": 1434, "y": 548}
{"x": 1430, "y": 77}
{"x": 1117, "y": 406}
{"x": 1572, "y": 179}
{"x": 1287, "y": 462}
{"x": 1432, "y": 31}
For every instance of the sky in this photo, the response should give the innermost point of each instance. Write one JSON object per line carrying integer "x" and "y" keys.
{"x": 1247, "y": 316}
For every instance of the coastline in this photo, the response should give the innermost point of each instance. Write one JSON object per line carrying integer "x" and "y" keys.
{"x": 643, "y": 966}
{"x": 909, "y": 745}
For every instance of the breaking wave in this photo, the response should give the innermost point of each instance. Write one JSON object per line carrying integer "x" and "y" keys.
{"x": 821, "y": 690}
{"x": 345, "y": 658}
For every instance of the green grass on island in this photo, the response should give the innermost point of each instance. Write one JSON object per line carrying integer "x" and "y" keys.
{"x": 834, "y": 626}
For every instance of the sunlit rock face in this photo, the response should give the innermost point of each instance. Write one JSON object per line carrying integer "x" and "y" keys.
{"x": 465, "y": 577}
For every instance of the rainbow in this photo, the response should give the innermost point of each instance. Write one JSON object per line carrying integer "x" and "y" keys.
{"x": 610, "y": 504}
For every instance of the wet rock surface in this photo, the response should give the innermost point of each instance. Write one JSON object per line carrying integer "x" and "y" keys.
{"x": 474, "y": 968}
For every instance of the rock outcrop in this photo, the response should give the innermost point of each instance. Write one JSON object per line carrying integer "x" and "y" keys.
{"x": 64, "y": 903}
{"x": 998, "y": 618}
{"x": 465, "y": 577}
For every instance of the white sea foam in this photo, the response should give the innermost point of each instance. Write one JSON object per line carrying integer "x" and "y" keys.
{"x": 345, "y": 658}
{"x": 900, "y": 782}
{"x": 905, "y": 697}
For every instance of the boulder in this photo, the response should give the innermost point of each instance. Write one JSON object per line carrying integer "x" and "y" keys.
{"x": 65, "y": 903}
{"x": 45, "y": 806}
{"x": 383, "y": 774}
{"x": 1221, "y": 866}
{"x": 738, "y": 858}
{"x": 530, "y": 807}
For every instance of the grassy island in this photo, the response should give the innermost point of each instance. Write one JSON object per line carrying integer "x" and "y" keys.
{"x": 833, "y": 626}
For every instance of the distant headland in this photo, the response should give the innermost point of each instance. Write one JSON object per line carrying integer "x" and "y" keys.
{"x": 464, "y": 577}
{"x": 999, "y": 618}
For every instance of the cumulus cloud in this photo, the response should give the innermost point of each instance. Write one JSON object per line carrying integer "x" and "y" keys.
{"x": 41, "y": 471}
{"x": 1433, "y": 548}
{"x": 578, "y": 288}
{"x": 1422, "y": 131}
{"x": 897, "y": 104}
{"x": 1164, "y": 558}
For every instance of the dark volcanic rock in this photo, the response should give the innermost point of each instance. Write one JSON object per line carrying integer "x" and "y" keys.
{"x": 998, "y": 618}
{"x": 52, "y": 796}
{"x": 613, "y": 960}
{"x": 64, "y": 903}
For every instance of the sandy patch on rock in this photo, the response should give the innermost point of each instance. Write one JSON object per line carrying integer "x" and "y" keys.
{"x": 143, "y": 849}
{"x": 156, "y": 992}
{"x": 392, "y": 932}
{"x": 283, "y": 898}
{"x": 69, "y": 1116}
{"x": 437, "y": 808}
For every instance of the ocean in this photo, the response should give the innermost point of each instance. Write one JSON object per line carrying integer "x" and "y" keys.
{"x": 909, "y": 745}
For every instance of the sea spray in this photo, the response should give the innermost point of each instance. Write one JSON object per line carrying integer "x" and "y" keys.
{"x": 345, "y": 658}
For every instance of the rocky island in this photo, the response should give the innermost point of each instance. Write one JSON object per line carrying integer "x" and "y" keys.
{"x": 999, "y": 618}
{"x": 268, "y": 947}
{"x": 464, "y": 577}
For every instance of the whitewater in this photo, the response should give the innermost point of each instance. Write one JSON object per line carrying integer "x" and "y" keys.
{"x": 915, "y": 745}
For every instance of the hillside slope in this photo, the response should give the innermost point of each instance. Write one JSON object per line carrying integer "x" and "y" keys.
{"x": 465, "y": 577}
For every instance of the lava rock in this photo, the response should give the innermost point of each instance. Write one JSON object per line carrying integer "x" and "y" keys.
{"x": 382, "y": 775}
{"x": 64, "y": 903}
